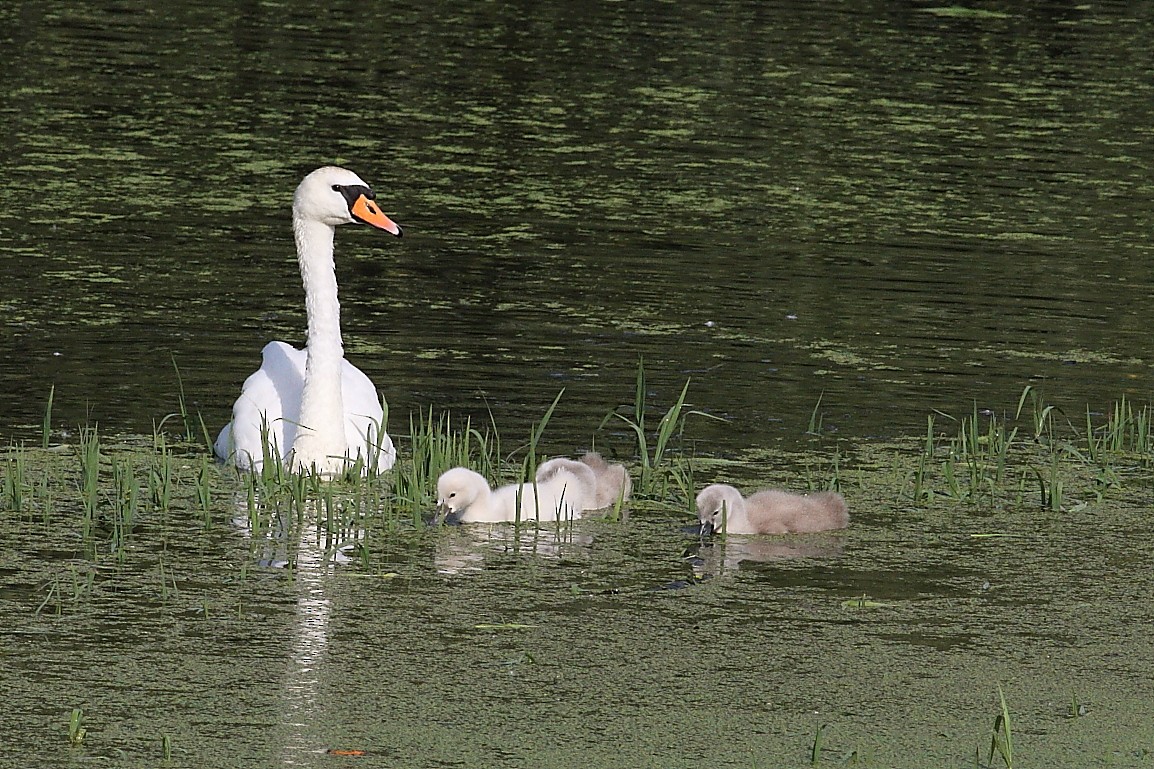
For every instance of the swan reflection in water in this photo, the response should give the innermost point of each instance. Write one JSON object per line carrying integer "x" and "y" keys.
{"x": 305, "y": 550}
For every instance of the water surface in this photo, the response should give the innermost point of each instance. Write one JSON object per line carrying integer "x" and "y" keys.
{"x": 890, "y": 206}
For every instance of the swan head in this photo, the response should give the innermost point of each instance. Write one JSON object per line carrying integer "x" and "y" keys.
{"x": 336, "y": 196}
{"x": 456, "y": 490}
{"x": 716, "y": 504}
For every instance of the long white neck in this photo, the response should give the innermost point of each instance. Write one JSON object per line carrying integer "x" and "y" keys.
{"x": 322, "y": 425}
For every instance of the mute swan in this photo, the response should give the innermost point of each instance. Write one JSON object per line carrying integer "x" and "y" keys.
{"x": 722, "y": 508}
{"x": 319, "y": 410}
{"x": 604, "y": 483}
{"x": 465, "y": 495}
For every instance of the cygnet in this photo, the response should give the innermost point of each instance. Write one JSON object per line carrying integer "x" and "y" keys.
{"x": 722, "y": 508}
{"x": 604, "y": 483}
{"x": 465, "y": 495}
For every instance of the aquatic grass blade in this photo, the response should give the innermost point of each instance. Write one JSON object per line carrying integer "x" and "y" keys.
{"x": 1002, "y": 736}
{"x": 76, "y": 730}
{"x": 815, "y": 417}
{"x": 46, "y": 425}
{"x": 817, "y": 745}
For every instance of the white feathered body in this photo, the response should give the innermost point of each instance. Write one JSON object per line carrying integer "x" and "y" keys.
{"x": 466, "y": 495}
{"x": 272, "y": 396}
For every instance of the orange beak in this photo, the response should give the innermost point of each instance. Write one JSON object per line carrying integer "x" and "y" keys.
{"x": 365, "y": 210}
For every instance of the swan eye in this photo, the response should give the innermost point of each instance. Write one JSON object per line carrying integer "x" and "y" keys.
{"x": 338, "y": 188}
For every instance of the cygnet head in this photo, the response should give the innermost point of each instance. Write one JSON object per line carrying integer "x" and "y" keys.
{"x": 717, "y": 504}
{"x": 334, "y": 196}
{"x": 458, "y": 488}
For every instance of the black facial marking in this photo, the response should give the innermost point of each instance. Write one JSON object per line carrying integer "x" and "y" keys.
{"x": 353, "y": 191}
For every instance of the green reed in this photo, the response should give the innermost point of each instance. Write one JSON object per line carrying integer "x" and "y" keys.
{"x": 365, "y": 468}
{"x": 369, "y": 500}
{"x": 167, "y": 583}
{"x": 46, "y": 495}
{"x": 14, "y": 481}
{"x": 125, "y": 493}
{"x": 1002, "y": 736}
{"x": 1078, "y": 707}
{"x": 53, "y": 592}
{"x": 1041, "y": 415}
{"x": 1054, "y": 489}
{"x": 982, "y": 453}
{"x": 1126, "y": 432}
{"x": 331, "y": 511}
{"x": 986, "y": 459}
{"x": 82, "y": 587}
{"x": 89, "y": 476}
{"x": 272, "y": 468}
{"x": 817, "y": 745}
{"x": 536, "y": 430}
{"x": 46, "y": 424}
{"x": 186, "y": 417}
{"x": 203, "y": 488}
{"x": 922, "y": 491}
{"x": 833, "y": 479}
{"x": 436, "y": 447}
{"x": 680, "y": 478}
{"x": 1123, "y": 429}
{"x": 672, "y": 423}
{"x": 160, "y": 475}
{"x": 76, "y": 730}
{"x": 815, "y": 417}
{"x": 1096, "y": 443}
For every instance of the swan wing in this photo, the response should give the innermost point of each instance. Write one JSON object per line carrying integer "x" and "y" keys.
{"x": 270, "y": 396}
{"x": 364, "y": 417}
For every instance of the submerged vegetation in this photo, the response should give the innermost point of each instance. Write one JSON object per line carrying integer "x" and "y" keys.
{"x": 109, "y": 505}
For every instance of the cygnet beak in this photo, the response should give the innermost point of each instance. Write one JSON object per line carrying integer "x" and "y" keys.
{"x": 445, "y": 516}
{"x": 707, "y": 529}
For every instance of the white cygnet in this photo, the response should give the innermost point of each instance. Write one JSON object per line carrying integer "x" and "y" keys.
{"x": 721, "y": 508}
{"x": 466, "y": 496}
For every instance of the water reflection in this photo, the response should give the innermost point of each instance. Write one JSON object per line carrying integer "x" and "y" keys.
{"x": 310, "y": 638}
{"x": 309, "y": 555}
{"x": 470, "y": 548}
{"x": 723, "y": 555}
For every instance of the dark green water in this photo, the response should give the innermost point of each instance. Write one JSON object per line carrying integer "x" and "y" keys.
{"x": 894, "y": 209}
{"x": 600, "y": 644}
{"x": 898, "y": 208}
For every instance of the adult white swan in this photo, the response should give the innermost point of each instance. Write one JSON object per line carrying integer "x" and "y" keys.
{"x": 311, "y": 407}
